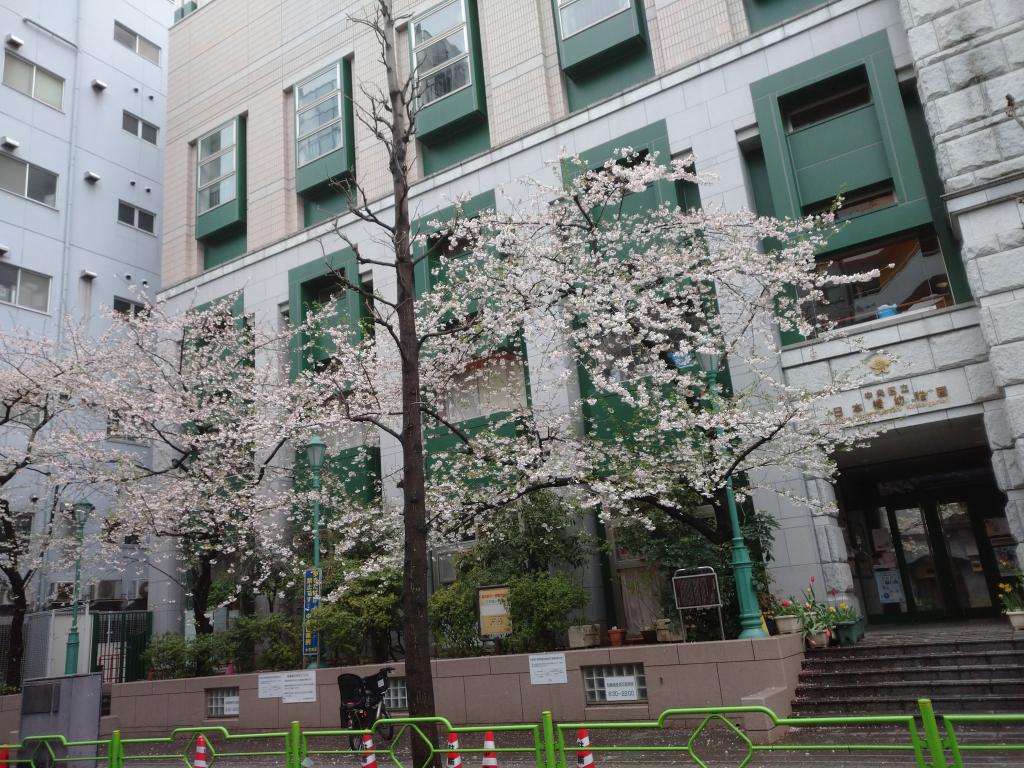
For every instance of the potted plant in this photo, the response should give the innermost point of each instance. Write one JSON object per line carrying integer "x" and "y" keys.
{"x": 616, "y": 636}
{"x": 818, "y": 620}
{"x": 849, "y": 625}
{"x": 788, "y": 618}
{"x": 1011, "y": 595}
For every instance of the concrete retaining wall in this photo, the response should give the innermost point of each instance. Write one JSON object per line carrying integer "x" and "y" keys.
{"x": 487, "y": 690}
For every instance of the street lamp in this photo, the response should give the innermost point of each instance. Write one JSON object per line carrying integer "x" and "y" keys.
{"x": 742, "y": 567}
{"x": 82, "y": 510}
{"x": 315, "y": 450}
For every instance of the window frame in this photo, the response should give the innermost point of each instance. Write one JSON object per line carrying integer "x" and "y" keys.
{"x": 35, "y": 70}
{"x": 567, "y": 3}
{"x": 338, "y": 94}
{"x": 17, "y": 289}
{"x": 136, "y": 210}
{"x": 28, "y": 169}
{"x": 415, "y": 47}
{"x": 214, "y": 701}
{"x": 223, "y": 151}
{"x": 139, "y": 123}
{"x": 137, "y": 37}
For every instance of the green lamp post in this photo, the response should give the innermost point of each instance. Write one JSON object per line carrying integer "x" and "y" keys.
{"x": 742, "y": 566}
{"x": 315, "y": 452}
{"x": 82, "y": 510}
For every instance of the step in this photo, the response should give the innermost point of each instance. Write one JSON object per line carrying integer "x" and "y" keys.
{"x": 943, "y": 705}
{"x": 839, "y": 675}
{"x": 915, "y": 689}
{"x": 916, "y": 649}
{"x": 978, "y": 656}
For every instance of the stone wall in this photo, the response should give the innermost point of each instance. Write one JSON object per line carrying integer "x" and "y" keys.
{"x": 969, "y": 55}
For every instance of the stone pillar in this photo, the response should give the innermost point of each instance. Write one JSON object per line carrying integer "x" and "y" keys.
{"x": 969, "y": 55}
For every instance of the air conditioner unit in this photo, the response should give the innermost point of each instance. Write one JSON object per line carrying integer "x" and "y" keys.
{"x": 60, "y": 593}
{"x": 107, "y": 589}
{"x": 444, "y": 568}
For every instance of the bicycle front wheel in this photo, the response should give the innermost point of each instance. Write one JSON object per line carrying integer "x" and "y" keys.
{"x": 385, "y": 732}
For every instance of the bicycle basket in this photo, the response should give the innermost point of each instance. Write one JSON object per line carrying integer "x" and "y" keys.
{"x": 351, "y": 689}
{"x": 377, "y": 683}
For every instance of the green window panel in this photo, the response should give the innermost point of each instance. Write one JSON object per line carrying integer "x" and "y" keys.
{"x": 837, "y": 124}
{"x": 310, "y": 285}
{"x": 184, "y": 10}
{"x": 324, "y": 130}
{"x": 329, "y": 203}
{"x": 608, "y": 416}
{"x": 220, "y": 192}
{"x": 602, "y": 47}
{"x": 446, "y": 57}
{"x": 766, "y": 13}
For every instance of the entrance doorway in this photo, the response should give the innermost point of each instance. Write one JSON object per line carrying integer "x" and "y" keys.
{"x": 927, "y": 538}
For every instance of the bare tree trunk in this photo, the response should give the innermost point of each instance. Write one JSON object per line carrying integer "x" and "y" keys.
{"x": 415, "y": 620}
{"x": 16, "y": 651}
{"x": 202, "y": 579}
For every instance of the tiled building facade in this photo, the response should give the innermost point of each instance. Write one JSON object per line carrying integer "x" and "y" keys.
{"x": 787, "y": 102}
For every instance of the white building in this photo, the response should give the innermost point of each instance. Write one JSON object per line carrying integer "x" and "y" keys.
{"x": 82, "y": 121}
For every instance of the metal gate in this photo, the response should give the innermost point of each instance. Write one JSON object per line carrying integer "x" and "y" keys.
{"x": 119, "y": 640}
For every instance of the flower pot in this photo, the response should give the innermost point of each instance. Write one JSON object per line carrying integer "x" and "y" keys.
{"x": 788, "y": 625}
{"x": 849, "y": 632}
{"x": 1016, "y": 619}
{"x": 616, "y": 636}
{"x": 818, "y": 640}
{"x": 649, "y": 635}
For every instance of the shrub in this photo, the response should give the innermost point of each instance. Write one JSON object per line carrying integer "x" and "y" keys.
{"x": 168, "y": 657}
{"x": 541, "y": 607}
{"x": 453, "y": 620}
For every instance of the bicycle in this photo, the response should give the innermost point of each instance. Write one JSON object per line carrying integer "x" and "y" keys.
{"x": 362, "y": 705}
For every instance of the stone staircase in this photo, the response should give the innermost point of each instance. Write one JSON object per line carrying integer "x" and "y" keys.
{"x": 958, "y": 675}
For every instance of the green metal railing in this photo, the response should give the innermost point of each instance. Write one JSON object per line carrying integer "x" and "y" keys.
{"x": 546, "y": 744}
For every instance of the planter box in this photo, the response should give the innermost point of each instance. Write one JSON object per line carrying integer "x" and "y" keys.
{"x": 584, "y": 636}
{"x": 1016, "y": 620}
{"x": 665, "y": 633}
{"x": 850, "y": 632}
{"x": 788, "y": 625}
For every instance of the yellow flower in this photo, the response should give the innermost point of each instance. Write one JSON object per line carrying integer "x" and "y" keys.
{"x": 832, "y": 608}
{"x": 807, "y": 605}
{"x": 1007, "y": 588}
{"x": 843, "y": 606}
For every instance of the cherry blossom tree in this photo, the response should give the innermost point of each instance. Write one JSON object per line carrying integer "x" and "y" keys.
{"x": 51, "y": 445}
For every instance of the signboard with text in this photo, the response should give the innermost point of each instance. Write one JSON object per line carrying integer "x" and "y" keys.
{"x": 622, "y": 688}
{"x": 547, "y": 669}
{"x": 310, "y": 602}
{"x": 495, "y": 620}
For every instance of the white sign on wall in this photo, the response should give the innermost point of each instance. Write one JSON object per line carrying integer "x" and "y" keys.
{"x": 271, "y": 685}
{"x": 621, "y": 688}
{"x": 231, "y": 705}
{"x": 547, "y": 669}
{"x": 299, "y": 687}
{"x": 889, "y": 584}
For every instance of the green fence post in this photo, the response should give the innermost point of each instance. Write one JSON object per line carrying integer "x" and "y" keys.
{"x": 549, "y": 738}
{"x": 295, "y": 746}
{"x": 115, "y": 758}
{"x": 931, "y": 734}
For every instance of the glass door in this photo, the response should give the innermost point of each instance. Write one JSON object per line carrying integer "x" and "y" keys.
{"x": 920, "y": 567}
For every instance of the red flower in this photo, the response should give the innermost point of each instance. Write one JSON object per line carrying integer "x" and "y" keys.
{"x": 785, "y": 603}
{"x": 828, "y": 633}
{"x": 812, "y": 579}
{"x": 833, "y": 593}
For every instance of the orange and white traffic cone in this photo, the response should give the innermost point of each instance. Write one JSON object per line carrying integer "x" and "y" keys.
{"x": 454, "y": 758}
{"x": 584, "y": 757}
{"x": 199, "y": 761}
{"x": 490, "y": 759}
{"x": 369, "y": 756}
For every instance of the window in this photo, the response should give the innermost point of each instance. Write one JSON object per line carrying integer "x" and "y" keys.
{"x": 825, "y": 99}
{"x": 859, "y": 201}
{"x": 23, "y": 288}
{"x": 26, "y": 77}
{"x": 216, "y": 177}
{"x": 120, "y": 428}
{"x": 27, "y": 180}
{"x": 912, "y": 278}
{"x": 493, "y": 384}
{"x": 222, "y": 702}
{"x": 440, "y": 41}
{"x": 139, "y": 127}
{"x": 396, "y": 698}
{"x": 128, "y": 307}
{"x": 594, "y": 679}
{"x": 318, "y": 115}
{"x": 136, "y": 217}
{"x": 136, "y": 42}
{"x": 576, "y": 15}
